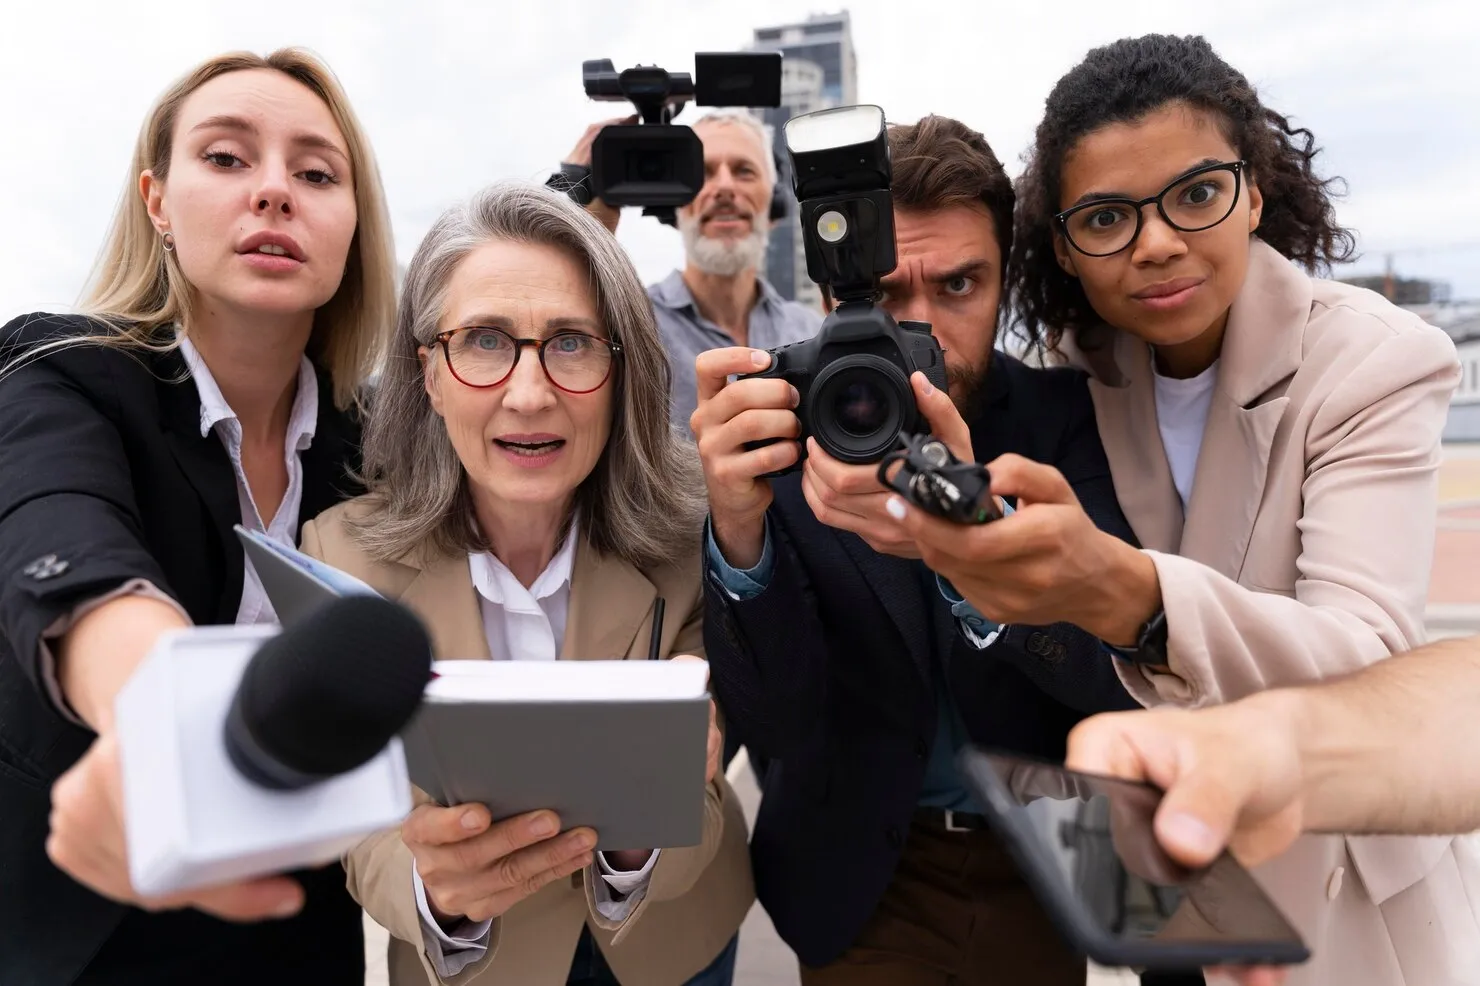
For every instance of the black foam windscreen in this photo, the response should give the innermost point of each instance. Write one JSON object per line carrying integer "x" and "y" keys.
{"x": 327, "y": 694}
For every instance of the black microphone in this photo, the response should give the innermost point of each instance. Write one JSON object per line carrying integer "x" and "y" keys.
{"x": 248, "y": 750}
{"x": 327, "y": 694}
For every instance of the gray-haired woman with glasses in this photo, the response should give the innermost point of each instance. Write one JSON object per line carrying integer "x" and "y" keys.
{"x": 530, "y": 501}
{"x": 1274, "y": 439}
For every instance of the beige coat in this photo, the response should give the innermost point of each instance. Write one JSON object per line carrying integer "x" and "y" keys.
{"x": 1305, "y": 553}
{"x": 697, "y": 897}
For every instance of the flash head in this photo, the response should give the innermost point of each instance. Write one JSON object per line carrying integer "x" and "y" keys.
{"x": 853, "y": 376}
{"x": 841, "y": 149}
{"x": 841, "y": 172}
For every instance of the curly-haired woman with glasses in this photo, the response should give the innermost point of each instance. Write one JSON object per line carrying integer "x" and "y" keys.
{"x": 529, "y": 500}
{"x": 1274, "y": 438}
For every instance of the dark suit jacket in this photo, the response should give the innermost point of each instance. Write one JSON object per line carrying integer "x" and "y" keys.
{"x": 105, "y": 477}
{"x": 830, "y": 674}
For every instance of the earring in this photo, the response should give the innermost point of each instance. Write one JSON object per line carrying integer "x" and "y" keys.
{"x": 169, "y": 242}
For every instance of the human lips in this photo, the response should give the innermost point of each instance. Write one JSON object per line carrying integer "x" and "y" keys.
{"x": 272, "y": 244}
{"x": 271, "y": 252}
{"x": 1169, "y": 294}
{"x": 530, "y": 450}
{"x": 725, "y": 215}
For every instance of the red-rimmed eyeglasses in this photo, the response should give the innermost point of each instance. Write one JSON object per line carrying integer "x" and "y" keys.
{"x": 575, "y": 362}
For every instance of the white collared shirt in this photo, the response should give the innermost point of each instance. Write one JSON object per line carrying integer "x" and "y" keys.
{"x": 524, "y": 624}
{"x": 216, "y": 415}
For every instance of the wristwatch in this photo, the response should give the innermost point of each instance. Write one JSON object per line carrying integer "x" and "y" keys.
{"x": 574, "y": 180}
{"x": 1151, "y": 643}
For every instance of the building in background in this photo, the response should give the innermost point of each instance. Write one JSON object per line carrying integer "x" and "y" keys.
{"x": 1462, "y": 321}
{"x": 1433, "y": 301}
{"x": 818, "y": 70}
{"x": 1403, "y": 290}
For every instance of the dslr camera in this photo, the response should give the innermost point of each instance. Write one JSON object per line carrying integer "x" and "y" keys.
{"x": 854, "y": 375}
{"x": 656, "y": 163}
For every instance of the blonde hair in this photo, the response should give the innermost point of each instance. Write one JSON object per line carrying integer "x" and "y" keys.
{"x": 644, "y": 500}
{"x": 137, "y": 288}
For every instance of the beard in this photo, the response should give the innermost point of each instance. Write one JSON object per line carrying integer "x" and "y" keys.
{"x": 967, "y": 386}
{"x": 722, "y": 258}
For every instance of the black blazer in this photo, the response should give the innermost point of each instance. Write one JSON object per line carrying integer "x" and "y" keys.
{"x": 105, "y": 477}
{"x": 830, "y": 674}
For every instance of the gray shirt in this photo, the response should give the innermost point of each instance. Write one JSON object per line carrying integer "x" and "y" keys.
{"x": 774, "y": 321}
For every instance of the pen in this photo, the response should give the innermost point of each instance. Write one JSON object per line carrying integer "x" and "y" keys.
{"x": 657, "y": 629}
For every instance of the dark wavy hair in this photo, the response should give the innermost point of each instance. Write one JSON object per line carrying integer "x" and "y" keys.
{"x": 939, "y": 162}
{"x": 1123, "y": 82}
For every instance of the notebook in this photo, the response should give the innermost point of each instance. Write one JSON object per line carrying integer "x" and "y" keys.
{"x": 619, "y": 746}
{"x": 295, "y": 583}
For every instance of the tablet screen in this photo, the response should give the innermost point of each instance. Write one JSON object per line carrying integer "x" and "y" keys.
{"x": 1092, "y": 838}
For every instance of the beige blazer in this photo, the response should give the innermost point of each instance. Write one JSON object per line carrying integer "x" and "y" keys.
{"x": 1305, "y": 553}
{"x": 697, "y": 897}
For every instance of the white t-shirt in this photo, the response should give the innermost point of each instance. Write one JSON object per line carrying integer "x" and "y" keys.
{"x": 1182, "y": 414}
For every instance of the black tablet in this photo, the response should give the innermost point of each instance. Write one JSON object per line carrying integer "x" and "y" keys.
{"x": 1086, "y": 846}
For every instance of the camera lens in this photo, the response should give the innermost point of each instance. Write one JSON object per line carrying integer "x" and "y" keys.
{"x": 860, "y": 408}
{"x": 647, "y": 167}
{"x": 858, "y": 405}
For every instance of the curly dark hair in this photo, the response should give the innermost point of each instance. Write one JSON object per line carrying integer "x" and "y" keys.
{"x": 1123, "y": 82}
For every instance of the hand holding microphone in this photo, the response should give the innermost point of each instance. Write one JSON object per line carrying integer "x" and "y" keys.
{"x": 87, "y": 842}
{"x": 238, "y": 752}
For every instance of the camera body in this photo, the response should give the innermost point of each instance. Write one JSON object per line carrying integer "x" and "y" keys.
{"x": 854, "y": 381}
{"x": 853, "y": 376}
{"x": 656, "y": 163}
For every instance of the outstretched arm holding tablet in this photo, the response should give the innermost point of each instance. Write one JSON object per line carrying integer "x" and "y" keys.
{"x": 1366, "y": 753}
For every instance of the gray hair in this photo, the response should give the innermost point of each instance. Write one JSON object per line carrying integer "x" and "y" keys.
{"x": 644, "y": 500}
{"x": 733, "y": 116}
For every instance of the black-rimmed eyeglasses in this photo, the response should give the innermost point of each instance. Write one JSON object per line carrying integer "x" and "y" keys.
{"x": 1199, "y": 200}
{"x": 575, "y": 362}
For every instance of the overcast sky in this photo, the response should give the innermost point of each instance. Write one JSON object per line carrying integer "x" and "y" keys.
{"x": 455, "y": 94}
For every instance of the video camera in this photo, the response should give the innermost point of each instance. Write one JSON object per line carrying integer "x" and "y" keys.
{"x": 656, "y": 163}
{"x": 853, "y": 376}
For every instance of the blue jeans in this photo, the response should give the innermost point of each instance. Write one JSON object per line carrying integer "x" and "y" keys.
{"x": 589, "y": 968}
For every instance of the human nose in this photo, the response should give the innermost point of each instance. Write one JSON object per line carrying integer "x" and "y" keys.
{"x": 274, "y": 189}
{"x": 722, "y": 181}
{"x": 1158, "y": 240}
{"x": 528, "y": 389}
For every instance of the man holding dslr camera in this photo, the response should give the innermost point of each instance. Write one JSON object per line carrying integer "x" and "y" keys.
{"x": 834, "y": 652}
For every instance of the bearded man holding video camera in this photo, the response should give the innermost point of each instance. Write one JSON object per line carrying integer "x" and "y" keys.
{"x": 834, "y": 652}
{"x": 717, "y": 182}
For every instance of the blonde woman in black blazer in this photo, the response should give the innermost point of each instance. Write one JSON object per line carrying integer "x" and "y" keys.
{"x": 239, "y": 305}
